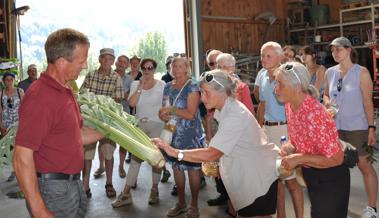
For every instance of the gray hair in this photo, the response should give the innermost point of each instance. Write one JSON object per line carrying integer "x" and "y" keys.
{"x": 221, "y": 82}
{"x": 211, "y": 53}
{"x": 298, "y": 76}
{"x": 276, "y": 46}
{"x": 62, "y": 43}
{"x": 226, "y": 58}
{"x": 185, "y": 61}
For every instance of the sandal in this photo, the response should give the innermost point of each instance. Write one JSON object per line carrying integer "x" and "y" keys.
{"x": 89, "y": 193}
{"x": 98, "y": 173}
{"x": 109, "y": 190}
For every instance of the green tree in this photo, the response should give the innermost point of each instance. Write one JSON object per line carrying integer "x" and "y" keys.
{"x": 153, "y": 45}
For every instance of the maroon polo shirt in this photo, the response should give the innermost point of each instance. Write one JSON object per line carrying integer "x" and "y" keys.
{"x": 49, "y": 124}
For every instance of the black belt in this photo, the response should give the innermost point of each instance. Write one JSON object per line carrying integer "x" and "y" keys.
{"x": 58, "y": 176}
{"x": 269, "y": 123}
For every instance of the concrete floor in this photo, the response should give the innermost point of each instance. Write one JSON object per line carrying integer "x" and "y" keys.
{"x": 100, "y": 205}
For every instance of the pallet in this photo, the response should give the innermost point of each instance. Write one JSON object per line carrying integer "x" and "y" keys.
{"x": 353, "y": 5}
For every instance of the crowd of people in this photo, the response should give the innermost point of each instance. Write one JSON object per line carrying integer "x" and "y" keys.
{"x": 215, "y": 122}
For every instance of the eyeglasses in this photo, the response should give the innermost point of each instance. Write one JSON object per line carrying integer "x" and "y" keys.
{"x": 289, "y": 68}
{"x": 339, "y": 84}
{"x": 209, "y": 78}
{"x": 10, "y": 103}
{"x": 211, "y": 64}
{"x": 150, "y": 68}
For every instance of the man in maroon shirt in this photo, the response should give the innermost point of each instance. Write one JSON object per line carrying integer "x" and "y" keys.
{"x": 48, "y": 156}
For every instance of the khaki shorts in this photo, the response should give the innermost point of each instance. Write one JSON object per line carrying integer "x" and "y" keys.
{"x": 357, "y": 138}
{"x": 107, "y": 147}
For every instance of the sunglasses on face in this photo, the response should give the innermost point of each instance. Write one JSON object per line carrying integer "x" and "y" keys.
{"x": 339, "y": 84}
{"x": 150, "y": 68}
{"x": 209, "y": 78}
{"x": 211, "y": 64}
{"x": 10, "y": 103}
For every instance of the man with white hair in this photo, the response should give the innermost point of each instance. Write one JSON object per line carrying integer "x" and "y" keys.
{"x": 32, "y": 76}
{"x": 271, "y": 115}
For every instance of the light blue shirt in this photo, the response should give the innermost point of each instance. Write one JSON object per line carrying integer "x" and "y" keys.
{"x": 126, "y": 83}
{"x": 274, "y": 110}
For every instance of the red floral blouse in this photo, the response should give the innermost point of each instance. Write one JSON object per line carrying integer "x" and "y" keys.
{"x": 311, "y": 129}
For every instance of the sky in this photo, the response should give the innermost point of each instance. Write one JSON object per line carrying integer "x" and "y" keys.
{"x": 114, "y": 16}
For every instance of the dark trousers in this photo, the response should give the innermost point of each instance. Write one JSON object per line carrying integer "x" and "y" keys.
{"x": 328, "y": 190}
{"x": 221, "y": 188}
{"x": 64, "y": 198}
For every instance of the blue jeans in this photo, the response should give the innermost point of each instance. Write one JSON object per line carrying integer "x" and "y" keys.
{"x": 64, "y": 198}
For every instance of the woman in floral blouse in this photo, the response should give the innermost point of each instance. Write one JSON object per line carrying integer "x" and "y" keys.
{"x": 314, "y": 139}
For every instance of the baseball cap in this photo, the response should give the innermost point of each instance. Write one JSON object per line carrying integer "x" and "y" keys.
{"x": 108, "y": 51}
{"x": 341, "y": 42}
{"x": 32, "y": 66}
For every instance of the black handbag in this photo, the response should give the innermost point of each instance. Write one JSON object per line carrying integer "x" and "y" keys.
{"x": 351, "y": 157}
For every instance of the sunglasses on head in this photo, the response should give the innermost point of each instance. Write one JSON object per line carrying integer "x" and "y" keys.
{"x": 339, "y": 84}
{"x": 9, "y": 103}
{"x": 209, "y": 78}
{"x": 289, "y": 68}
{"x": 150, "y": 68}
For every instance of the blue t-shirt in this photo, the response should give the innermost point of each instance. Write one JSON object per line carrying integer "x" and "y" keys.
{"x": 274, "y": 110}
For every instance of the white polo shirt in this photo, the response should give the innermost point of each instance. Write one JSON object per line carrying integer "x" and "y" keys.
{"x": 247, "y": 167}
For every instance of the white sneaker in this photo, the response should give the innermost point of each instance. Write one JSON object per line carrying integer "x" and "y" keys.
{"x": 369, "y": 213}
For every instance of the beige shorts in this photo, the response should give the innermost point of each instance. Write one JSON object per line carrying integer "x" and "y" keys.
{"x": 107, "y": 147}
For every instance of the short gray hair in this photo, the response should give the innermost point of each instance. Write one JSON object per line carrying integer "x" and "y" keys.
{"x": 276, "y": 46}
{"x": 222, "y": 82}
{"x": 211, "y": 53}
{"x": 226, "y": 58}
{"x": 298, "y": 76}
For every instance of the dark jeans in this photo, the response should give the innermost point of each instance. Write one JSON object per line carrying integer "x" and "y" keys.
{"x": 221, "y": 188}
{"x": 64, "y": 198}
{"x": 328, "y": 190}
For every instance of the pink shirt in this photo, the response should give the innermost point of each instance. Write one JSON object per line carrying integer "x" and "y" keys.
{"x": 311, "y": 129}
{"x": 243, "y": 95}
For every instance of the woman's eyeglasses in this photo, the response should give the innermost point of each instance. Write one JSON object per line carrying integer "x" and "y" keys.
{"x": 147, "y": 68}
{"x": 209, "y": 78}
{"x": 289, "y": 68}
{"x": 10, "y": 103}
{"x": 339, "y": 84}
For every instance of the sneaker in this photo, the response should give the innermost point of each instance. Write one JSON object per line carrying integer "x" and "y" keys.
{"x": 202, "y": 182}
{"x": 176, "y": 211}
{"x": 134, "y": 186}
{"x": 192, "y": 213}
{"x": 166, "y": 176}
{"x": 220, "y": 200}
{"x": 174, "y": 191}
{"x": 369, "y": 212}
{"x": 154, "y": 196}
{"x": 11, "y": 177}
{"x": 122, "y": 200}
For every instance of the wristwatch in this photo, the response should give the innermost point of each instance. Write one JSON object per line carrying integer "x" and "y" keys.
{"x": 180, "y": 155}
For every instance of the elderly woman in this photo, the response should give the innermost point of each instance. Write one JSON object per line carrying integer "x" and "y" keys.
{"x": 247, "y": 161}
{"x": 146, "y": 96}
{"x": 349, "y": 88}
{"x": 184, "y": 97}
{"x": 314, "y": 139}
{"x": 10, "y": 102}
